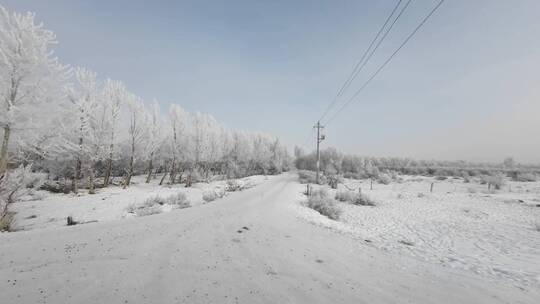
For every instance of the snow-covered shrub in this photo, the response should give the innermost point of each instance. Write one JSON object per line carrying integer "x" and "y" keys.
{"x": 155, "y": 200}
{"x": 153, "y": 204}
{"x": 211, "y": 195}
{"x": 233, "y": 185}
{"x": 321, "y": 192}
{"x": 345, "y": 196}
{"x": 13, "y": 186}
{"x": 325, "y": 206}
{"x": 334, "y": 180}
{"x": 149, "y": 207}
{"x": 496, "y": 181}
{"x": 363, "y": 200}
{"x": 178, "y": 200}
{"x": 384, "y": 179}
{"x": 6, "y": 222}
{"x": 354, "y": 198}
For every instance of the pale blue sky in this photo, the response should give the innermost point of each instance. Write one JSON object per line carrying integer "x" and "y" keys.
{"x": 466, "y": 87}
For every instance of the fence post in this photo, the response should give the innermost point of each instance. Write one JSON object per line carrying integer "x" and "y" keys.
{"x": 371, "y": 187}
{"x": 359, "y": 190}
{"x": 431, "y": 188}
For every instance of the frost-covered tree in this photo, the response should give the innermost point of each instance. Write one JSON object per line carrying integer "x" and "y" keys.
{"x": 178, "y": 119}
{"x": 137, "y": 117}
{"x": 30, "y": 76}
{"x": 114, "y": 94}
{"x": 85, "y": 136}
{"x": 153, "y": 136}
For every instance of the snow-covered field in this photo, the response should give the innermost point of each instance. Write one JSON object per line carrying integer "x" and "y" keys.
{"x": 43, "y": 209}
{"x": 458, "y": 225}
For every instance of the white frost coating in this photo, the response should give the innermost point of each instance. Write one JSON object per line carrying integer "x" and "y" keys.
{"x": 491, "y": 234}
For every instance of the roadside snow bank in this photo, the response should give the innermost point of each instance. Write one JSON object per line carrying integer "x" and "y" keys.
{"x": 46, "y": 209}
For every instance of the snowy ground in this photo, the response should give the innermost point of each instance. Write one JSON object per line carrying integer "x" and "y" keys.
{"x": 459, "y": 225}
{"x": 249, "y": 247}
{"x": 43, "y": 209}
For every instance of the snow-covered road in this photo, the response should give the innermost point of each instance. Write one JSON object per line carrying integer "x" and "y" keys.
{"x": 250, "y": 247}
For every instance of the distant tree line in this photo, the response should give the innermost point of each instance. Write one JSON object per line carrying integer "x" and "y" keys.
{"x": 332, "y": 162}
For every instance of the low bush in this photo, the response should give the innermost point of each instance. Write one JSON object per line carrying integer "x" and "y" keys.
{"x": 6, "y": 222}
{"x": 363, "y": 200}
{"x": 354, "y": 198}
{"x": 384, "y": 179}
{"x": 325, "y": 206}
{"x": 152, "y": 205}
{"x": 496, "y": 181}
{"x": 155, "y": 200}
{"x": 209, "y": 196}
{"x": 233, "y": 185}
{"x": 144, "y": 209}
{"x": 345, "y": 196}
{"x": 178, "y": 200}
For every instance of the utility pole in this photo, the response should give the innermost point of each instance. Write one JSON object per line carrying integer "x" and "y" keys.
{"x": 320, "y": 137}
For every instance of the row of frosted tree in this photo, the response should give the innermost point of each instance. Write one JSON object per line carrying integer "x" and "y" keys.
{"x": 83, "y": 132}
{"x": 333, "y": 162}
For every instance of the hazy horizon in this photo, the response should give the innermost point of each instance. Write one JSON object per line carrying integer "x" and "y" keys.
{"x": 465, "y": 87}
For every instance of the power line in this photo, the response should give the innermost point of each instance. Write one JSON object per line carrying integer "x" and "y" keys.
{"x": 381, "y": 40}
{"x": 386, "y": 62}
{"x": 354, "y": 72}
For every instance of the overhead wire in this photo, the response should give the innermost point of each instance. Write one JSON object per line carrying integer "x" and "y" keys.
{"x": 364, "y": 85}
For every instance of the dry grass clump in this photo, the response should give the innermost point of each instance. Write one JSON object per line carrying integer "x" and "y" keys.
{"x": 152, "y": 205}
{"x": 320, "y": 202}
{"x": 178, "y": 200}
{"x": 384, "y": 179}
{"x": 233, "y": 185}
{"x": 354, "y": 198}
{"x": 363, "y": 200}
{"x": 149, "y": 207}
{"x": 211, "y": 195}
{"x": 6, "y": 222}
{"x": 345, "y": 196}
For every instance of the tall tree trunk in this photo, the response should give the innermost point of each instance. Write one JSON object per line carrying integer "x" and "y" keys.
{"x": 173, "y": 172}
{"x": 108, "y": 169}
{"x": 130, "y": 170}
{"x": 91, "y": 184}
{"x": 3, "y": 152}
{"x": 163, "y": 178}
{"x": 77, "y": 177}
{"x": 150, "y": 168}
